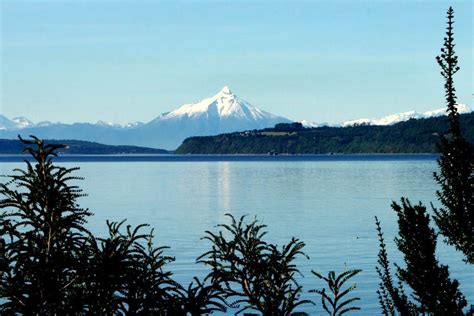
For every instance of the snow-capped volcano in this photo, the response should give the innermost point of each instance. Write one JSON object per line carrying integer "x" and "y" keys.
{"x": 223, "y": 105}
{"x": 221, "y": 113}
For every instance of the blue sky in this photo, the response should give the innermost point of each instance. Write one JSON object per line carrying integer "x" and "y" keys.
{"x": 324, "y": 61}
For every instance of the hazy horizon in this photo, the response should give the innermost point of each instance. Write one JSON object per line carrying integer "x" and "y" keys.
{"x": 123, "y": 61}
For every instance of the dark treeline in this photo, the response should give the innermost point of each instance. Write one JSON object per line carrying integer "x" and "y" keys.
{"x": 50, "y": 264}
{"x": 15, "y": 146}
{"x": 413, "y": 136}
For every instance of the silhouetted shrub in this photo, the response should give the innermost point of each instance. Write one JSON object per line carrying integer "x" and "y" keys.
{"x": 333, "y": 300}
{"x": 125, "y": 273}
{"x": 256, "y": 274}
{"x": 198, "y": 299}
{"x": 433, "y": 290}
{"x": 50, "y": 264}
{"x": 43, "y": 237}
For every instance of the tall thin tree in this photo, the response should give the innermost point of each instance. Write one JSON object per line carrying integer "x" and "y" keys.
{"x": 455, "y": 218}
{"x": 434, "y": 292}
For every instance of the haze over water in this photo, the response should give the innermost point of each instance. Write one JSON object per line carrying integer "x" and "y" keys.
{"x": 327, "y": 202}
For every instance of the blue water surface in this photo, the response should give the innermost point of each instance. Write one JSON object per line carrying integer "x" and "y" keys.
{"x": 328, "y": 201}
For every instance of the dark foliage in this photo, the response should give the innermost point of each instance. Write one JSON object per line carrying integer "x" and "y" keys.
{"x": 433, "y": 291}
{"x": 256, "y": 274}
{"x": 198, "y": 299}
{"x": 456, "y": 177}
{"x": 14, "y": 146}
{"x": 413, "y": 136}
{"x": 125, "y": 273}
{"x": 391, "y": 298}
{"x": 289, "y": 127}
{"x": 43, "y": 236}
{"x": 334, "y": 301}
{"x": 432, "y": 287}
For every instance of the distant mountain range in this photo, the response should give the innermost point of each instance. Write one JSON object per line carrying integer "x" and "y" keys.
{"x": 405, "y": 116}
{"x": 222, "y": 113}
{"x": 392, "y": 118}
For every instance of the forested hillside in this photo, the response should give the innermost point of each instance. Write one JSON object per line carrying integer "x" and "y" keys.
{"x": 413, "y": 136}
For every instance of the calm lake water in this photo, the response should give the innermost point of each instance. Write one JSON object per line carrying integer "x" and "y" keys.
{"x": 329, "y": 202}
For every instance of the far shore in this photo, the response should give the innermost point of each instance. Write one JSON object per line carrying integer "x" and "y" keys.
{"x": 226, "y": 157}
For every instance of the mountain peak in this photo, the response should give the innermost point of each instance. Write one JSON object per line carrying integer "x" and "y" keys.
{"x": 225, "y": 90}
{"x": 224, "y": 106}
{"x": 22, "y": 122}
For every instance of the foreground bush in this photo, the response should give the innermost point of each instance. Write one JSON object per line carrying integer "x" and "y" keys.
{"x": 253, "y": 272}
{"x": 43, "y": 238}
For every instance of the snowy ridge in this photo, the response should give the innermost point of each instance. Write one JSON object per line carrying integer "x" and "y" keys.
{"x": 227, "y": 105}
{"x": 405, "y": 116}
{"x": 22, "y": 122}
{"x": 310, "y": 124}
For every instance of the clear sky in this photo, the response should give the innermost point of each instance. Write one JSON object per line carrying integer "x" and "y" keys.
{"x": 324, "y": 61}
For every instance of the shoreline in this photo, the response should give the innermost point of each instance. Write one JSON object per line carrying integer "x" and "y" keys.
{"x": 227, "y": 157}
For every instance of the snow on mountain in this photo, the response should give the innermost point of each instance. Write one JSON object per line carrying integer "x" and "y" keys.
{"x": 223, "y": 105}
{"x": 462, "y": 108}
{"x": 108, "y": 124}
{"x": 386, "y": 120}
{"x": 405, "y": 116}
{"x": 22, "y": 122}
{"x": 45, "y": 123}
{"x": 133, "y": 124}
{"x": 310, "y": 124}
{"x": 15, "y": 123}
{"x": 222, "y": 113}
